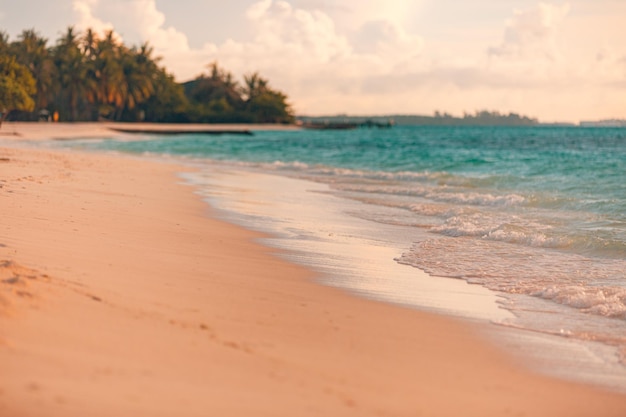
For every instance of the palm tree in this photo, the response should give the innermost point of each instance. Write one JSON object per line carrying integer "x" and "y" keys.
{"x": 16, "y": 86}
{"x": 4, "y": 42}
{"x": 31, "y": 51}
{"x": 70, "y": 64}
{"x": 89, "y": 48}
{"x": 117, "y": 78}
{"x": 168, "y": 103}
{"x": 90, "y": 43}
{"x": 218, "y": 87}
{"x": 264, "y": 104}
{"x": 228, "y": 87}
{"x": 108, "y": 74}
{"x": 254, "y": 85}
{"x": 139, "y": 74}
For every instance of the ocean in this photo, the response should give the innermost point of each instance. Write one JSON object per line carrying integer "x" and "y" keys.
{"x": 534, "y": 218}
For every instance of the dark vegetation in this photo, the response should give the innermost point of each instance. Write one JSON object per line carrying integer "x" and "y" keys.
{"x": 84, "y": 77}
{"x": 480, "y": 118}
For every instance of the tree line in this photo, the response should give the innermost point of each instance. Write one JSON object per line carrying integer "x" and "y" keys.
{"x": 87, "y": 77}
{"x": 479, "y": 118}
{"x": 486, "y": 118}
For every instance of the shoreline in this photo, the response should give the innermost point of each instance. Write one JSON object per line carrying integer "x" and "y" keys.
{"x": 287, "y": 210}
{"x": 360, "y": 257}
{"x": 123, "y": 295}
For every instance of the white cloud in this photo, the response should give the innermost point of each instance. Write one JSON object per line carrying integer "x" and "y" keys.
{"x": 305, "y": 53}
{"x": 282, "y": 29}
{"x": 135, "y": 19}
{"x": 140, "y": 19}
{"x": 150, "y": 22}
{"x": 387, "y": 40}
{"x": 530, "y": 56}
{"x": 532, "y": 33}
{"x": 350, "y": 15}
{"x": 542, "y": 50}
{"x": 86, "y": 18}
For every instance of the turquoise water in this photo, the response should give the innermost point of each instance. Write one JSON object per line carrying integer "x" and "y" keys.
{"x": 537, "y": 214}
{"x": 572, "y": 177}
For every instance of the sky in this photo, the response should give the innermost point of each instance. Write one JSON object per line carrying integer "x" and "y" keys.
{"x": 554, "y": 60}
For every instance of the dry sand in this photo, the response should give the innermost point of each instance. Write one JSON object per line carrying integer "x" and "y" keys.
{"x": 121, "y": 296}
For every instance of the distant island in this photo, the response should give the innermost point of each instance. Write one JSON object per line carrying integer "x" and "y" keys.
{"x": 480, "y": 118}
{"x": 604, "y": 123}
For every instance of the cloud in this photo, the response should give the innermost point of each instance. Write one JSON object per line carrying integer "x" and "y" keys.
{"x": 386, "y": 39}
{"x": 532, "y": 56}
{"x": 86, "y": 18}
{"x": 308, "y": 54}
{"x": 310, "y": 39}
{"x": 282, "y": 29}
{"x": 138, "y": 19}
{"x": 135, "y": 19}
{"x": 150, "y": 23}
{"x": 532, "y": 33}
{"x": 350, "y": 15}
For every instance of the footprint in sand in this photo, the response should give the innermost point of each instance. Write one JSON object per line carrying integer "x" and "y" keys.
{"x": 15, "y": 285}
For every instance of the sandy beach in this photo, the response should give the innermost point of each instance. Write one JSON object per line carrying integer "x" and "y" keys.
{"x": 121, "y": 295}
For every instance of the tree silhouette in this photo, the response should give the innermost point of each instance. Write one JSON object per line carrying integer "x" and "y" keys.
{"x": 89, "y": 77}
{"x": 16, "y": 86}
